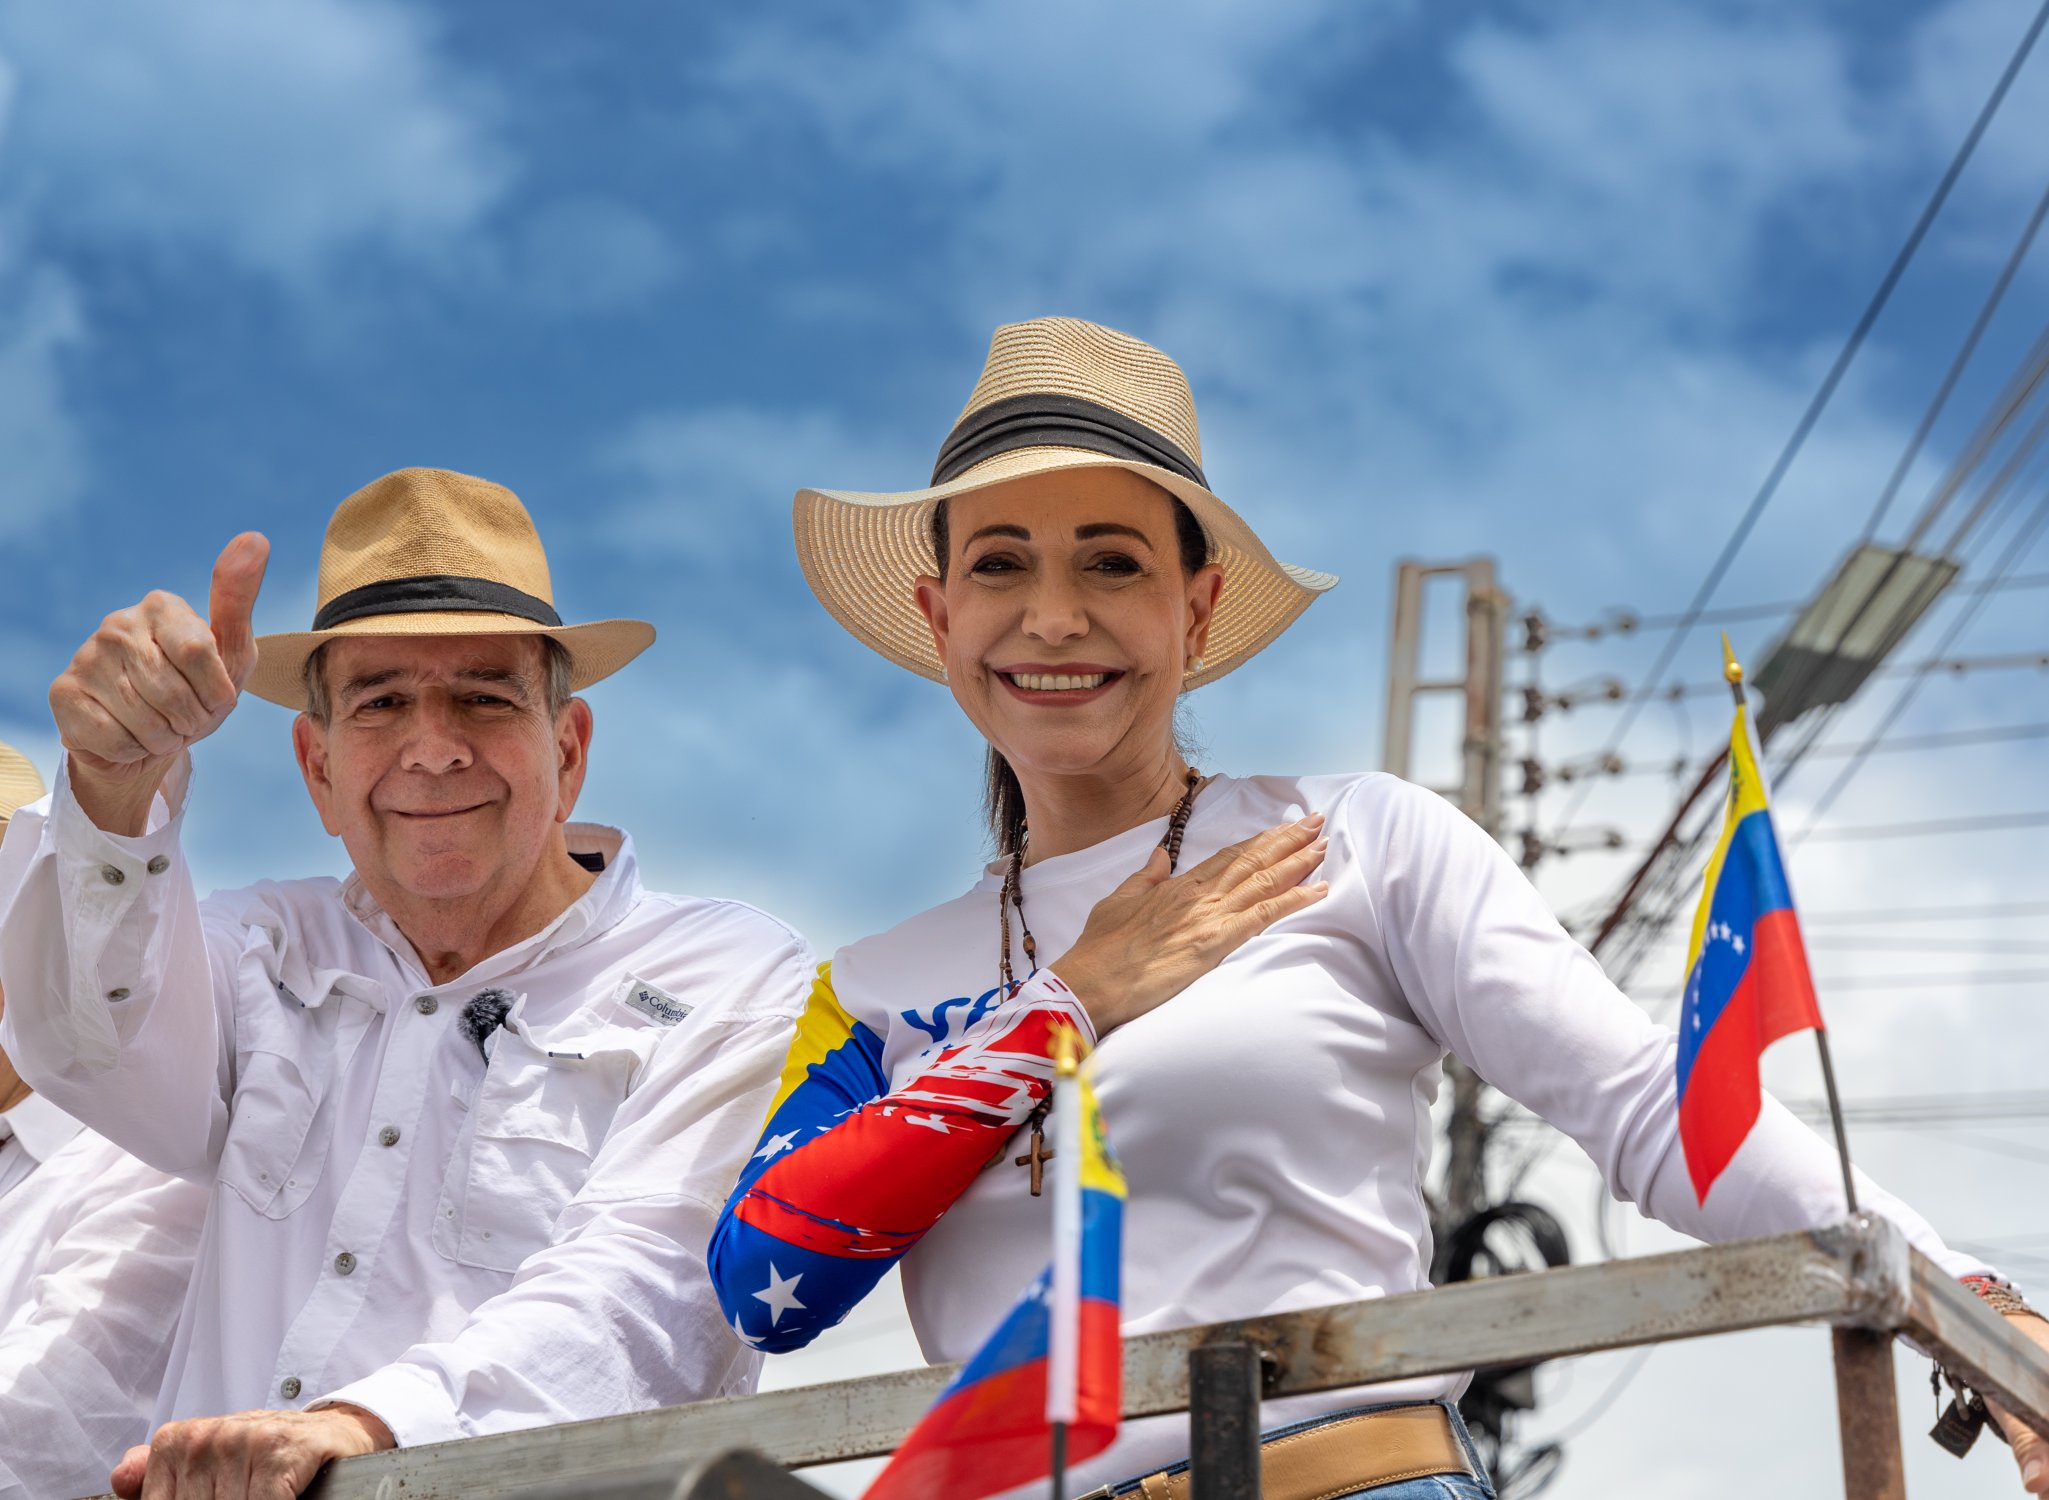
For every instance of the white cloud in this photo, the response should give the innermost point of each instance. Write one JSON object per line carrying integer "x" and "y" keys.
{"x": 710, "y": 482}
{"x": 274, "y": 137}
{"x": 286, "y": 142}
{"x": 40, "y": 326}
{"x": 1548, "y": 323}
{"x": 591, "y": 255}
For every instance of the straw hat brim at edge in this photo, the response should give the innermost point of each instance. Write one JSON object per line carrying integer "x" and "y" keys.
{"x": 862, "y": 552}
{"x": 596, "y": 649}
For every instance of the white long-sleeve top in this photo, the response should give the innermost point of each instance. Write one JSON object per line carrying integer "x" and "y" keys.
{"x": 31, "y": 1133}
{"x": 95, "y": 1254}
{"x": 1273, "y": 1119}
{"x": 456, "y": 1246}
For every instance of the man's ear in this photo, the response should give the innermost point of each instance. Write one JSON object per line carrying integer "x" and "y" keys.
{"x": 573, "y": 728}
{"x": 931, "y": 597}
{"x": 309, "y": 746}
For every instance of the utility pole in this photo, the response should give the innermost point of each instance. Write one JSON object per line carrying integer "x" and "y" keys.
{"x": 1475, "y": 1236}
{"x": 1477, "y": 793}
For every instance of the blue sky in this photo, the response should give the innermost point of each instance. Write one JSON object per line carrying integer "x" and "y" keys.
{"x": 1550, "y": 282}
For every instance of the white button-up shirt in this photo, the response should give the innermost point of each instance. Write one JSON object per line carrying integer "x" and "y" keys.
{"x": 30, "y": 1134}
{"x": 95, "y": 1254}
{"x": 458, "y": 1245}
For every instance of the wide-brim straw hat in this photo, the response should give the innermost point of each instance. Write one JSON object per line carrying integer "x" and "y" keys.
{"x": 20, "y": 782}
{"x": 1055, "y": 393}
{"x": 427, "y": 552}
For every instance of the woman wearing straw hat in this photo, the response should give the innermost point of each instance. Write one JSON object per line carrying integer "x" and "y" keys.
{"x": 1267, "y": 1048}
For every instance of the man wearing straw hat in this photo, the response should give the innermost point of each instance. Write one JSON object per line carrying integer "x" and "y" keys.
{"x": 95, "y": 1252}
{"x": 468, "y": 1115}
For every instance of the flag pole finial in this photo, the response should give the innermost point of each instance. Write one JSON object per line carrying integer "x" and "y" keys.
{"x": 1732, "y": 669}
{"x": 1066, "y": 1052}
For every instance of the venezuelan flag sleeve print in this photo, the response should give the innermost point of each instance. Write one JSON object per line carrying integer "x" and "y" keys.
{"x": 848, "y": 1174}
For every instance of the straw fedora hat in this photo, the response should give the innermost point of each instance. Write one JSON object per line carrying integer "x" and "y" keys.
{"x": 20, "y": 783}
{"x": 432, "y": 552}
{"x": 1055, "y": 393}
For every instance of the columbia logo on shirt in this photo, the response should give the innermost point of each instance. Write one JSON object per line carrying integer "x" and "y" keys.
{"x": 657, "y": 1005}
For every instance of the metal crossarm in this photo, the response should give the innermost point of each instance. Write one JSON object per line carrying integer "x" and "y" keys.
{"x": 1860, "y": 1276}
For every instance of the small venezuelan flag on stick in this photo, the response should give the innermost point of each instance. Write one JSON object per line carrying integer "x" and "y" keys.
{"x": 1046, "y": 1390}
{"x": 1747, "y": 980}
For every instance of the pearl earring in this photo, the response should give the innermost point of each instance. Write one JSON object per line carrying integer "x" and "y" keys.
{"x": 1194, "y": 665}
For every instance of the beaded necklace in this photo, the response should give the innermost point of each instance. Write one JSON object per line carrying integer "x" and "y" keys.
{"x": 1011, "y": 896}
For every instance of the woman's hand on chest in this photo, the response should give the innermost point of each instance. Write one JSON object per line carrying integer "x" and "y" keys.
{"x": 1157, "y": 933}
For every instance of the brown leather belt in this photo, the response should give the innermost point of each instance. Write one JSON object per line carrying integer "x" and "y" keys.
{"x": 1338, "y": 1457}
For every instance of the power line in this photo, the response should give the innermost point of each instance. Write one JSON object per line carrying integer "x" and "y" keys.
{"x": 1946, "y": 739}
{"x": 1866, "y": 942}
{"x": 1601, "y": 691}
{"x": 1990, "y": 1143}
{"x": 1927, "y": 913}
{"x": 1624, "y": 621}
{"x": 1904, "y": 1111}
{"x": 1964, "y": 352}
{"x": 1821, "y": 398}
{"x": 1859, "y": 983}
{"x": 2020, "y": 390}
{"x": 1931, "y": 1109}
{"x": 1982, "y": 823}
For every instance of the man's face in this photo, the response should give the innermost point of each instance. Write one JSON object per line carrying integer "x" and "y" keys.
{"x": 439, "y": 767}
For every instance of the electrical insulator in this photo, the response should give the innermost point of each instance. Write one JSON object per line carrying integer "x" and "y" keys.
{"x": 1533, "y": 705}
{"x": 1536, "y": 633}
{"x": 1533, "y": 778}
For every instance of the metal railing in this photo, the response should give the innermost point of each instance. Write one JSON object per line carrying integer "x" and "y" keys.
{"x": 1861, "y": 1277}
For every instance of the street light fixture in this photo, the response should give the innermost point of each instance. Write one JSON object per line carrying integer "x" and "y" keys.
{"x": 1876, "y": 597}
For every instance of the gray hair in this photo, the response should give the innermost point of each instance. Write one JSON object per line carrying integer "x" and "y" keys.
{"x": 558, "y": 672}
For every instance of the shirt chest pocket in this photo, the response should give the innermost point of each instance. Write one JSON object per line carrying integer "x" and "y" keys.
{"x": 288, "y": 1055}
{"x": 535, "y": 1123}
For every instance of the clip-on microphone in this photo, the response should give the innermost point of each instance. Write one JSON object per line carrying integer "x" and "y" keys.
{"x": 483, "y": 1015}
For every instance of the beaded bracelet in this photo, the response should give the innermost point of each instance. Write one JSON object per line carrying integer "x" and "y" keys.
{"x": 2000, "y": 1297}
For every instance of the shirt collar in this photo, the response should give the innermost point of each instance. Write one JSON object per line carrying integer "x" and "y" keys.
{"x": 41, "y": 1127}
{"x": 610, "y": 897}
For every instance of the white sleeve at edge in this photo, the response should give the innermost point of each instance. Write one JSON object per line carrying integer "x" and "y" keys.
{"x": 1488, "y": 969}
{"x": 111, "y": 1004}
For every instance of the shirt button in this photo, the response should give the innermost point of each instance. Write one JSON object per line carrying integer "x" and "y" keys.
{"x": 120, "y": 994}
{"x": 426, "y": 1005}
{"x": 112, "y": 874}
{"x": 344, "y": 1263}
{"x": 289, "y": 1388}
{"x": 388, "y": 1136}
{"x": 159, "y": 864}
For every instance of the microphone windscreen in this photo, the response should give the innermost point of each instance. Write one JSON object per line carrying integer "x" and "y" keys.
{"x": 483, "y": 1015}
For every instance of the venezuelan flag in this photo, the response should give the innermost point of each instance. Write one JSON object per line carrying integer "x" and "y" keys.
{"x": 1747, "y": 981}
{"x": 991, "y": 1428}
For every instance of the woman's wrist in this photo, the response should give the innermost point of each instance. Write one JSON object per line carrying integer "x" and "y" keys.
{"x": 1092, "y": 991}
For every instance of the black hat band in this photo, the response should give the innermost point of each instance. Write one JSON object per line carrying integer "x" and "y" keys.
{"x": 1045, "y": 420}
{"x": 431, "y": 592}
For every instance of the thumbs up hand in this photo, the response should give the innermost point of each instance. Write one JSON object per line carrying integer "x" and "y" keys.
{"x": 151, "y": 682}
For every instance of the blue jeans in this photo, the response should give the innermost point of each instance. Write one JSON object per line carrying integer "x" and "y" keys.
{"x": 1474, "y": 1486}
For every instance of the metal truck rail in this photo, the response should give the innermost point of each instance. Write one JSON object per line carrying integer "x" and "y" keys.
{"x": 1860, "y": 1277}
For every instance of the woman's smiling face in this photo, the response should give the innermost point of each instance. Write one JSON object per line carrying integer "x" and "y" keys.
{"x": 1066, "y": 620}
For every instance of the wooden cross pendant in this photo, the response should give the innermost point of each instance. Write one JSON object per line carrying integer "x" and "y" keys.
{"x": 1036, "y": 1158}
